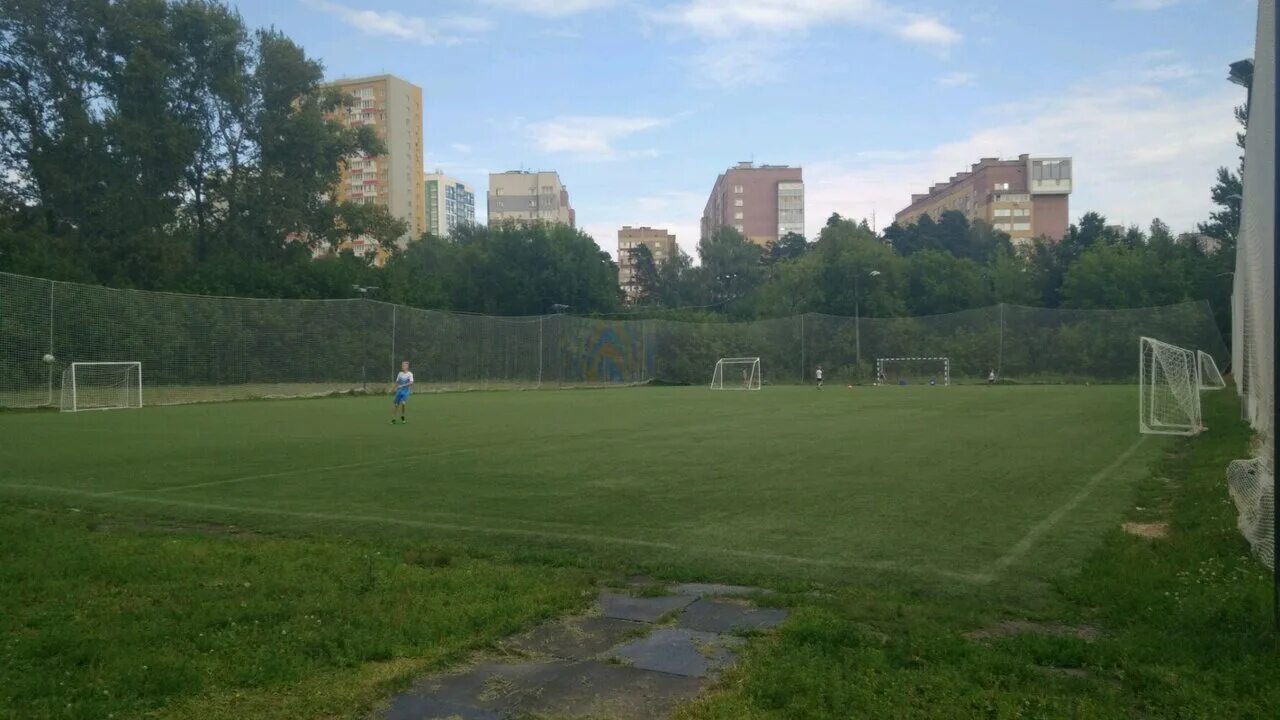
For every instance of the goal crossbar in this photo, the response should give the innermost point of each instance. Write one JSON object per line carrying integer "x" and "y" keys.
{"x": 945, "y": 361}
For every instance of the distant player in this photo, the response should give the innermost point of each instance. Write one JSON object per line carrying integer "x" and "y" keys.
{"x": 404, "y": 385}
{"x": 991, "y": 377}
{"x": 933, "y": 380}
{"x": 879, "y": 377}
{"x": 817, "y": 374}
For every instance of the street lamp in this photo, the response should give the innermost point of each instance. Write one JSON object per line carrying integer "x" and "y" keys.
{"x": 857, "y": 315}
{"x": 364, "y": 362}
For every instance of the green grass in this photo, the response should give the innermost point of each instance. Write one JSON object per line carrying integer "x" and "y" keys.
{"x": 109, "y": 617}
{"x": 305, "y": 559}
{"x": 943, "y": 485}
{"x": 1184, "y": 627}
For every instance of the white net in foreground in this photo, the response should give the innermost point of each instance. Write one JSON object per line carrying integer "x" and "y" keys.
{"x": 1168, "y": 389}
{"x": 1209, "y": 376}
{"x": 913, "y": 371}
{"x": 101, "y": 386}
{"x": 1250, "y": 485}
{"x": 736, "y": 374}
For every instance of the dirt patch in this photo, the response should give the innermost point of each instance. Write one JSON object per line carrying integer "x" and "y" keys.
{"x": 1014, "y": 628}
{"x": 1152, "y": 531}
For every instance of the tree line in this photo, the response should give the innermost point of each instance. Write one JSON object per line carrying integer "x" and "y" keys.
{"x": 163, "y": 145}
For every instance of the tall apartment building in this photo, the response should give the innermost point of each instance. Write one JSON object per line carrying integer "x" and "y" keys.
{"x": 393, "y": 108}
{"x": 763, "y": 203}
{"x": 1026, "y": 198}
{"x": 525, "y": 196}
{"x": 450, "y": 203}
{"x": 660, "y": 242}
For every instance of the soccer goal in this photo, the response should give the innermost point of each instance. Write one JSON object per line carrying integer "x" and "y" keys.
{"x": 913, "y": 371}
{"x": 101, "y": 386}
{"x": 1209, "y": 377}
{"x": 737, "y": 374}
{"x": 1168, "y": 390}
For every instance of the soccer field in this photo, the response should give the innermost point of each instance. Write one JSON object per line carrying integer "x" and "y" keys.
{"x": 964, "y": 485}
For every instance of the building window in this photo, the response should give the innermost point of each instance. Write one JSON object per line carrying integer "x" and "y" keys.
{"x": 737, "y": 202}
{"x": 737, "y": 215}
{"x": 737, "y": 189}
{"x": 738, "y": 228}
{"x": 1022, "y": 212}
{"x": 1006, "y": 227}
{"x": 1002, "y": 212}
{"x": 1021, "y": 226}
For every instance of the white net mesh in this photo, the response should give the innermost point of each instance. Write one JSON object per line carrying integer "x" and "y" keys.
{"x": 1210, "y": 378}
{"x": 913, "y": 371}
{"x": 101, "y": 386}
{"x": 1252, "y": 481}
{"x": 198, "y": 349}
{"x": 737, "y": 374}
{"x": 1169, "y": 392}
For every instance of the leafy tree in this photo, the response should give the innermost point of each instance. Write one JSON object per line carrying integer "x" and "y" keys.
{"x": 791, "y": 246}
{"x": 939, "y": 282}
{"x": 732, "y": 268}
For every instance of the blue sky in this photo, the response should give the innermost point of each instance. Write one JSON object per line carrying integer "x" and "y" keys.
{"x": 639, "y": 105}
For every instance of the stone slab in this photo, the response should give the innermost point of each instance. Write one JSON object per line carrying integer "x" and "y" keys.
{"x": 679, "y": 651}
{"x": 579, "y": 638}
{"x": 489, "y": 686}
{"x": 717, "y": 589}
{"x": 640, "y": 609}
{"x": 606, "y": 691}
{"x": 722, "y": 617}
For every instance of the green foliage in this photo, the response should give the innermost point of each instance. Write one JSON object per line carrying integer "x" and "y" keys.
{"x": 510, "y": 269}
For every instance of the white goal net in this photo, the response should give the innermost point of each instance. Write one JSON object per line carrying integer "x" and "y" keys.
{"x": 1210, "y": 378}
{"x": 913, "y": 371}
{"x": 1169, "y": 389}
{"x": 737, "y": 374}
{"x": 101, "y": 386}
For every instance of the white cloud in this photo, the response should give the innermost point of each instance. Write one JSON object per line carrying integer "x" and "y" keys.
{"x": 957, "y": 79}
{"x": 551, "y": 8}
{"x": 447, "y": 30}
{"x": 718, "y": 18}
{"x": 1140, "y": 151}
{"x": 1144, "y": 4}
{"x": 461, "y": 148}
{"x": 591, "y": 137}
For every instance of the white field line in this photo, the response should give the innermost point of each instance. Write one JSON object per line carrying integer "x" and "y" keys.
{"x": 883, "y": 565}
{"x": 1024, "y": 545}
{"x": 284, "y": 473}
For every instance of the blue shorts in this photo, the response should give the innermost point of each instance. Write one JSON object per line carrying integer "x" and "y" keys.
{"x": 402, "y": 395}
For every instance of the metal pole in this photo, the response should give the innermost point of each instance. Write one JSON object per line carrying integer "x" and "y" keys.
{"x": 1000, "y": 355}
{"x": 52, "y": 285}
{"x": 540, "y": 351}
{"x": 393, "y": 340}
{"x": 857, "y": 324}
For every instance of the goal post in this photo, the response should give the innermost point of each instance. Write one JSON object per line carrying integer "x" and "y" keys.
{"x": 737, "y": 374}
{"x": 913, "y": 371}
{"x": 101, "y": 386}
{"x": 1208, "y": 376}
{"x": 1168, "y": 389}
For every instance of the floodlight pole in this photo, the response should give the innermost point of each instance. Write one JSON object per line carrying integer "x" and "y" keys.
{"x": 1275, "y": 329}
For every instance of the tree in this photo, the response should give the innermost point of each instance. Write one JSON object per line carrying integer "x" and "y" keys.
{"x": 939, "y": 282}
{"x": 791, "y": 246}
{"x": 731, "y": 268}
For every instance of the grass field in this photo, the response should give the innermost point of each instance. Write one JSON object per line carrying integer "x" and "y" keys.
{"x": 306, "y": 559}
{"x": 964, "y": 485}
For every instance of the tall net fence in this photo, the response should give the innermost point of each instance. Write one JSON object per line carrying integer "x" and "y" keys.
{"x": 196, "y": 349}
{"x": 1252, "y": 480}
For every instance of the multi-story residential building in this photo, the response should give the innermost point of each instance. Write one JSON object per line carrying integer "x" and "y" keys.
{"x": 763, "y": 203}
{"x": 450, "y": 203}
{"x": 523, "y": 196}
{"x": 660, "y": 242}
{"x": 393, "y": 108}
{"x": 1026, "y": 198}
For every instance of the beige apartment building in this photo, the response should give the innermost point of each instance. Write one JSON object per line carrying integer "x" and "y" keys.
{"x": 1026, "y": 198}
{"x": 763, "y": 203}
{"x": 523, "y": 196}
{"x": 393, "y": 108}
{"x": 660, "y": 242}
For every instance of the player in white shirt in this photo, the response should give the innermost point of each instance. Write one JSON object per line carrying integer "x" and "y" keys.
{"x": 404, "y": 385}
{"x": 817, "y": 374}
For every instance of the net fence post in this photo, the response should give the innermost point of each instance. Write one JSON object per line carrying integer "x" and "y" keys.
{"x": 52, "y": 285}
{"x": 803, "y": 372}
{"x": 540, "y": 317}
{"x": 1000, "y": 352}
{"x": 1275, "y": 310}
{"x": 393, "y": 338}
